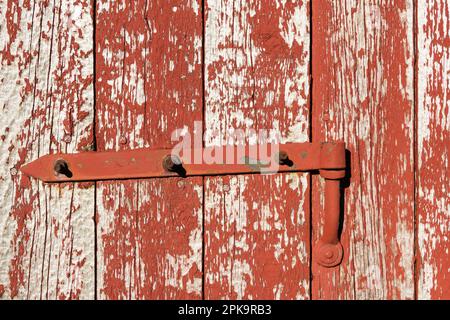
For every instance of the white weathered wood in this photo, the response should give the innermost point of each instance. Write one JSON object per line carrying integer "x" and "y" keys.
{"x": 46, "y": 101}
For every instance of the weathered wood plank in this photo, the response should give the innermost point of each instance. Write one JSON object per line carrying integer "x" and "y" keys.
{"x": 150, "y": 239}
{"x": 433, "y": 133}
{"x": 363, "y": 93}
{"x": 257, "y": 237}
{"x": 149, "y": 75}
{"x": 46, "y": 100}
{"x": 256, "y": 77}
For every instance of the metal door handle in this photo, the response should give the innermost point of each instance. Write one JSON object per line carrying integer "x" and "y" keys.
{"x": 327, "y": 157}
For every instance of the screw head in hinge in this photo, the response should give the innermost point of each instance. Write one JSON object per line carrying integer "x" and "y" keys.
{"x": 283, "y": 158}
{"x": 61, "y": 167}
{"x": 172, "y": 163}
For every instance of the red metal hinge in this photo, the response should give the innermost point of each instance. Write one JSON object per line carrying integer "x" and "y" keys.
{"x": 328, "y": 158}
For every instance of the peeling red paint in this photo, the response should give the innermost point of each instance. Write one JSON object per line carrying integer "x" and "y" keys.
{"x": 154, "y": 223}
{"x": 256, "y": 227}
{"x": 365, "y": 86}
{"x": 257, "y": 237}
{"x": 271, "y": 59}
{"x": 148, "y": 71}
{"x": 42, "y": 62}
{"x": 149, "y": 83}
{"x": 433, "y": 174}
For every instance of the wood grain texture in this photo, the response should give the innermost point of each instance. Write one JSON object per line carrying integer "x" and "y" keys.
{"x": 150, "y": 239}
{"x": 257, "y": 237}
{"x": 149, "y": 75}
{"x": 363, "y": 93}
{"x": 433, "y": 137}
{"x": 256, "y": 77}
{"x": 46, "y": 231}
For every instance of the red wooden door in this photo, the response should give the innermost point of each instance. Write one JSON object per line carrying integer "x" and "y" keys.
{"x": 109, "y": 75}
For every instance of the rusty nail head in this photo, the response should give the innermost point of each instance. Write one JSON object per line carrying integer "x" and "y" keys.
{"x": 283, "y": 158}
{"x": 61, "y": 167}
{"x": 123, "y": 140}
{"x": 171, "y": 163}
{"x": 13, "y": 171}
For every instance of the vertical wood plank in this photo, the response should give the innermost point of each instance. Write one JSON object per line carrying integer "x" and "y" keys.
{"x": 149, "y": 232}
{"x": 150, "y": 239}
{"x": 433, "y": 133}
{"x": 256, "y": 77}
{"x": 363, "y": 94}
{"x": 257, "y": 237}
{"x": 46, "y": 101}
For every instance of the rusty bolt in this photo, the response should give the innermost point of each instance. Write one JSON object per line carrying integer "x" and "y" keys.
{"x": 61, "y": 167}
{"x": 283, "y": 157}
{"x": 171, "y": 163}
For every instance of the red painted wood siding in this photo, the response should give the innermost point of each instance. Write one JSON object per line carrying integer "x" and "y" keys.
{"x": 256, "y": 77}
{"x": 109, "y": 75}
{"x": 149, "y": 83}
{"x": 433, "y": 149}
{"x": 363, "y": 93}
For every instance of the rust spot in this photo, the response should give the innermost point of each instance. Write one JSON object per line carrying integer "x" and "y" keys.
{"x": 123, "y": 140}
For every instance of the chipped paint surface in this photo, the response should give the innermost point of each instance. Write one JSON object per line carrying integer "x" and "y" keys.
{"x": 150, "y": 239}
{"x": 149, "y": 233}
{"x": 46, "y": 232}
{"x": 255, "y": 243}
{"x": 433, "y": 135}
{"x": 256, "y": 77}
{"x": 148, "y": 71}
{"x": 253, "y": 69}
{"x": 363, "y": 93}
{"x": 256, "y": 237}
